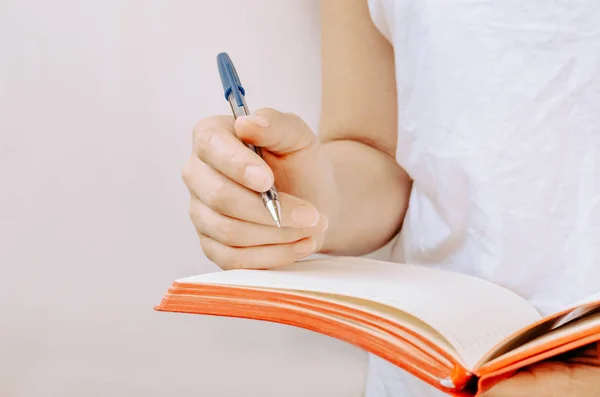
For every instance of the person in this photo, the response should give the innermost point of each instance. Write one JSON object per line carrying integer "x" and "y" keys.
{"x": 462, "y": 133}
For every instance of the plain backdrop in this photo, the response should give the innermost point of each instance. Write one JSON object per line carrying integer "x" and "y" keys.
{"x": 97, "y": 104}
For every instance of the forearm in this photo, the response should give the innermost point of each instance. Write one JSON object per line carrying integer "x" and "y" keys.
{"x": 359, "y": 130}
{"x": 370, "y": 198}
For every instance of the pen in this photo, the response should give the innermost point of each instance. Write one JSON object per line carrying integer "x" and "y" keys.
{"x": 235, "y": 95}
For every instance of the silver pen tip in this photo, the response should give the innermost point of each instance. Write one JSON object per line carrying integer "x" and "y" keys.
{"x": 274, "y": 209}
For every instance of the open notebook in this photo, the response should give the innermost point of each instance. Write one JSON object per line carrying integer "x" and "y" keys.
{"x": 455, "y": 332}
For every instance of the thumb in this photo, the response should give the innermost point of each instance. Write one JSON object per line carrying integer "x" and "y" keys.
{"x": 280, "y": 133}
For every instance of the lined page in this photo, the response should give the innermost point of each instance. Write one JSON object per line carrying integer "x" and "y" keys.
{"x": 472, "y": 314}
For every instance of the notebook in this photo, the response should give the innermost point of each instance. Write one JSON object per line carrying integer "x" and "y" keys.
{"x": 458, "y": 333}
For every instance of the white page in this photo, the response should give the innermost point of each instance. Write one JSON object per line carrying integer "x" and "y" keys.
{"x": 595, "y": 297}
{"x": 394, "y": 315}
{"x": 586, "y": 323}
{"x": 575, "y": 311}
{"x": 472, "y": 314}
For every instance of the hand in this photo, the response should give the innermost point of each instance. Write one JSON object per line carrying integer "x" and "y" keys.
{"x": 224, "y": 178}
{"x": 577, "y": 376}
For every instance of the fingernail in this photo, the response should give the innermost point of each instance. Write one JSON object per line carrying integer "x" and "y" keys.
{"x": 307, "y": 246}
{"x": 256, "y": 119}
{"x": 305, "y": 215}
{"x": 258, "y": 177}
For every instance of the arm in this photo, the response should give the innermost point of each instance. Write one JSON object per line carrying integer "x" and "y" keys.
{"x": 342, "y": 195}
{"x": 359, "y": 130}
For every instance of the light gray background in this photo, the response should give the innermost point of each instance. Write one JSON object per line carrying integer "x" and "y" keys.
{"x": 97, "y": 104}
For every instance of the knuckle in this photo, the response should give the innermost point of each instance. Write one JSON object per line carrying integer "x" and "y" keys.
{"x": 202, "y": 140}
{"x": 213, "y": 255}
{"x": 215, "y": 196}
{"x": 207, "y": 122}
{"x": 226, "y": 228}
{"x": 228, "y": 258}
{"x": 212, "y": 198}
{"x": 195, "y": 213}
{"x": 233, "y": 259}
{"x": 209, "y": 249}
{"x": 186, "y": 172}
{"x": 192, "y": 211}
{"x": 305, "y": 136}
{"x": 220, "y": 255}
{"x": 207, "y": 129}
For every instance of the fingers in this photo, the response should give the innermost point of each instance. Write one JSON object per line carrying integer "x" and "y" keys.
{"x": 237, "y": 233}
{"x": 224, "y": 178}
{"x": 256, "y": 257}
{"x": 280, "y": 133}
{"x": 225, "y": 197}
{"x": 216, "y": 145}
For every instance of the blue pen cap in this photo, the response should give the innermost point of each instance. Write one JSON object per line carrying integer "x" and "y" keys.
{"x": 230, "y": 79}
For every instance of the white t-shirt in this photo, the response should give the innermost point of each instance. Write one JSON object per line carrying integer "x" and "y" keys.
{"x": 499, "y": 126}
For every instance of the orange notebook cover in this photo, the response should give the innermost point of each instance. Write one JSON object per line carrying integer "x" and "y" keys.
{"x": 458, "y": 333}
